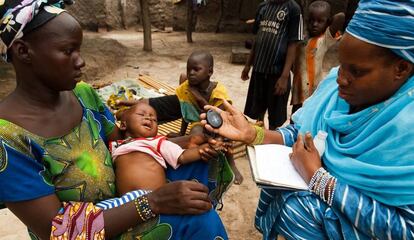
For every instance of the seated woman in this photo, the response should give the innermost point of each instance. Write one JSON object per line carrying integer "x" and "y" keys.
{"x": 54, "y": 164}
{"x": 363, "y": 187}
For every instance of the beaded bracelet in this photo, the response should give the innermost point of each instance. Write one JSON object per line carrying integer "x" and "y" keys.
{"x": 316, "y": 177}
{"x": 332, "y": 188}
{"x": 259, "y": 135}
{"x": 322, "y": 181}
{"x": 323, "y": 185}
{"x": 143, "y": 208}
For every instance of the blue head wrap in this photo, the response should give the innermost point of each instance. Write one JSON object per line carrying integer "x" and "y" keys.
{"x": 388, "y": 24}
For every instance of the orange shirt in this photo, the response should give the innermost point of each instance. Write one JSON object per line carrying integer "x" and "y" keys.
{"x": 308, "y": 66}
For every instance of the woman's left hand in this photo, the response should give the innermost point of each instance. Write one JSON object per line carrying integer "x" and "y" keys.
{"x": 305, "y": 157}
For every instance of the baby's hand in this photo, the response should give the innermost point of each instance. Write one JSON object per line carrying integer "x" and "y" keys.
{"x": 220, "y": 144}
{"x": 206, "y": 152}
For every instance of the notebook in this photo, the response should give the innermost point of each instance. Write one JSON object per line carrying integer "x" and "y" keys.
{"x": 271, "y": 167}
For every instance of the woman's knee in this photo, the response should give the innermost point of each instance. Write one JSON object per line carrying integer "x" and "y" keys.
{"x": 301, "y": 216}
{"x": 207, "y": 226}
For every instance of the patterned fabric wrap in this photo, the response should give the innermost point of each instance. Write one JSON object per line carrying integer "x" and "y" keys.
{"x": 386, "y": 23}
{"x": 371, "y": 150}
{"x": 80, "y": 221}
{"x": 189, "y": 107}
{"x": 76, "y": 166}
{"x": 15, "y": 16}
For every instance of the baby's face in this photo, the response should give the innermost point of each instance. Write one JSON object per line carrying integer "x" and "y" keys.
{"x": 142, "y": 121}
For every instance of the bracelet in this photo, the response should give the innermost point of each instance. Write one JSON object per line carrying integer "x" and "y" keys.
{"x": 259, "y": 135}
{"x": 143, "y": 208}
{"x": 332, "y": 193}
{"x": 316, "y": 177}
{"x": 322, "y": 181}
{"x": 323, "y": 185}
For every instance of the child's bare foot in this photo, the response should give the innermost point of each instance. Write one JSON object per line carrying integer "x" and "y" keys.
{"x": 259, "y": 123}
{"x": 238, "y": 178}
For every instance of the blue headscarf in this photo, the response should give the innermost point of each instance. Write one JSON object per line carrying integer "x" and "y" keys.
{"x": 388, "y": 24}
{"x": 373, "y": 149}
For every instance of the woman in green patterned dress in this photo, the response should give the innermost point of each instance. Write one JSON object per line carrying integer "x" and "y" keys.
{"x": 54, "y": 162}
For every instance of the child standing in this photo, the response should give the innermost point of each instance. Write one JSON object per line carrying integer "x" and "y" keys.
{"x": 139, "y": 128}
{"x": 192, "y": 95}
{"x": 308, "y": 65}
{"x": 279, "y": 28}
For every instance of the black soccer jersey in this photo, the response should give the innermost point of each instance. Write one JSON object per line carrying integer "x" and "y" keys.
{"x": 277, "y": 24}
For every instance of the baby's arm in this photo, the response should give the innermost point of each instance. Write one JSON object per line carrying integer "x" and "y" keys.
{"x": 194, "y": 154}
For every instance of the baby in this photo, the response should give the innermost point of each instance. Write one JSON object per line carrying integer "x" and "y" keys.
{"x": 141, "y": 159}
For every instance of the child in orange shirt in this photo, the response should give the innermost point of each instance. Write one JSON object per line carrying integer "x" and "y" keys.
{"x": 308, "y": 65}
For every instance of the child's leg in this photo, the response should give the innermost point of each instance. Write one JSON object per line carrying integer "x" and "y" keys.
{"x": 238, "y": 178}
{"x": 167, "y": 107}
{"x": 296, "y": 107}
{"x": 184, "y": 126}
{"x": 256, "y": 102}
{"x": 260, "y": 120}
{"x": 277, "y": 105}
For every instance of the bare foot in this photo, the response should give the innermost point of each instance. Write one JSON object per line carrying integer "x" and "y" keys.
{"x": 238, "y": 178}
{"x": 259, "y": 123}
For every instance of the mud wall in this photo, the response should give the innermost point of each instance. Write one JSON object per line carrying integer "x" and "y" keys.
{"x": 124, "y": 14}
{"x": 119, "y": 14}
{"x": 235, "y": 13}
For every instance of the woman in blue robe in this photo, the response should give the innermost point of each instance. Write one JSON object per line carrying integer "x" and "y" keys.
{"x": 363, "y": 185}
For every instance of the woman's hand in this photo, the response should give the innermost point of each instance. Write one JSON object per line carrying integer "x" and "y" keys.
{"x": 235, "y": 125}
{"x": 181, "y": 197}
{"x": 305, "y": 157}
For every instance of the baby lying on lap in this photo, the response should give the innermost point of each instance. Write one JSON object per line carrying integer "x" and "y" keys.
{"x": 142, "y": 157}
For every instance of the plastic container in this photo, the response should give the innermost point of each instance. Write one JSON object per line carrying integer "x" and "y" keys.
{"x": 320, "y": 142}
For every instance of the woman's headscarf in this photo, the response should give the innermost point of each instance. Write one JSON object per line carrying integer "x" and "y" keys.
{"x": 18, "y": 17}
{"x": 373, "y": 149}
{"x": 388, "y": 24}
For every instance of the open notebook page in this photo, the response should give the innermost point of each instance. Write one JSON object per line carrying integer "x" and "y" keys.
{"x": 271, "y": 166}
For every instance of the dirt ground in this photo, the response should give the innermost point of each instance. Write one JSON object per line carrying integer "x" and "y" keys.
{"x": 115, "y": 56}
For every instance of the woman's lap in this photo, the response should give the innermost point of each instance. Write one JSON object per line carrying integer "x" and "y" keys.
{"x": 296, "y": 215}
{"x": 203, "y": 226}
{"x": 197, "y": 171}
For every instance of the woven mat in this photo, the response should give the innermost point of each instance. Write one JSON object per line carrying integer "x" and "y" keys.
{"x": 146, "y": 81}
{"x": 239, "y": 149}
